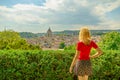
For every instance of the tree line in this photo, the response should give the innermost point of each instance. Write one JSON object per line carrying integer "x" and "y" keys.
{"x": 12, "y": 40}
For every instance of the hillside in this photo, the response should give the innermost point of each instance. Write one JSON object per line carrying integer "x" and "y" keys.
{"x": 65, "y": 32}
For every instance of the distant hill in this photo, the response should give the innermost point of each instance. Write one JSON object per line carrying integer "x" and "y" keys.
{"x": 76, "y": 32}
{"x": 28, "y": 35}
{"x": 65, "y": 32}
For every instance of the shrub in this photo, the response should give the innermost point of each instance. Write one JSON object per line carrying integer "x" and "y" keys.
{"x": 70, "y": 47}
{"x": 107, "y": 67}
{"x": 11, "y": 40}
{"x": 62, "y": 45}
{"x": 110, "y": 41}
{"x": 53, "y": 65}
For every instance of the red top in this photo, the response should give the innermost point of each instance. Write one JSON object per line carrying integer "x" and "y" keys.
{"x": 85, "y": 50}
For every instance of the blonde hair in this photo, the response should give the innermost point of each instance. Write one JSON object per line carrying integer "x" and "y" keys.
{"x": 84, "y": 35}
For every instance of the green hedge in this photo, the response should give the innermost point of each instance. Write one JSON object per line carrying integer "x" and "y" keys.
{"x": 53, "y": 65}
{"x": 107, "y": 67}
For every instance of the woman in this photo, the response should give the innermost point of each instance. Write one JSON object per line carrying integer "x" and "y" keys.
{"x": 81, "y": 61}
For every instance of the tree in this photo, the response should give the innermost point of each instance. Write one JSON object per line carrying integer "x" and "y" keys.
{"x": 70, "y": 47}
{"x": 11, "y": 40}
{"x": 110, "y": 41}
{"x": 62, "y": 45}
{"x": 28, "y": 35}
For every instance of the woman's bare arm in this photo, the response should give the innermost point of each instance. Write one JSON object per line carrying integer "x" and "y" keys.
{"x": 74, "y": 60}
{"x": 98, "y": 53}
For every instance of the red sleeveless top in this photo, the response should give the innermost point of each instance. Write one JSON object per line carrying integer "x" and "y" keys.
{"x": 85, "y": 50}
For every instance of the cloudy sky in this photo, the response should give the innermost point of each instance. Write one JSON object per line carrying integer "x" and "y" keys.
{"x": 38, "y": 15}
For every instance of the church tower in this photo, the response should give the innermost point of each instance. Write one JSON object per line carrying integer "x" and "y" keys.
{"x": 49, "y": 33}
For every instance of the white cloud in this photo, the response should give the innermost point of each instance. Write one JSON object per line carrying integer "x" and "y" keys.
{"x": 101, "y": 9}
{"x": 24, "y": 7}
{"x": 53, "y": 4}
{"x": 23, "y": 13}
{"x": 110, "y": 24}
{"x": 67, "y": 14}
{"x": 83, "y": 3}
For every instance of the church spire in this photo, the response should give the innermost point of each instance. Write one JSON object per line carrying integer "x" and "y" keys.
{"x": 49, "y": 32}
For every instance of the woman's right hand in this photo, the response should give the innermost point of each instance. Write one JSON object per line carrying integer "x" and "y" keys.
{"x": 71, "y": 68}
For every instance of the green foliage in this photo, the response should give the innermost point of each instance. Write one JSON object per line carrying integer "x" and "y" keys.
{"x": 110, "y": 41}
{"x": 107, "y": 67}
{"x": 70, "y": 47}
{"x": 35, "y": 65}
{"x": 62, "y": 45}
{"x": 12, "y": 40}
{"x": 53, "y": 65}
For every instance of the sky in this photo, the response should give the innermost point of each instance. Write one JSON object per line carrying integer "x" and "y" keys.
{"x": 38, "y": 15}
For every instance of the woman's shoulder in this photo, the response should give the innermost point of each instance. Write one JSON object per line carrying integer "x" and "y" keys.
{"x": 79, "y": 43}
{"x": 92, "y": 41}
